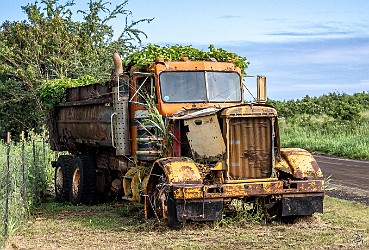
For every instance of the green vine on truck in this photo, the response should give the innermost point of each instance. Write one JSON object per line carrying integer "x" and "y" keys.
{"x": 143, "y": 58}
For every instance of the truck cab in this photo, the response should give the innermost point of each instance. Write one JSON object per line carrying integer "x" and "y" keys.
{"x": 220, "y": 148}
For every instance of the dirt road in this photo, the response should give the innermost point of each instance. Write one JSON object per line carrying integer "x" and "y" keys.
{"x": 349, "y": 179}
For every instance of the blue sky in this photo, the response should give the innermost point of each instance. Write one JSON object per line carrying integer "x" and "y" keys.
{"x": 305, "y": 47}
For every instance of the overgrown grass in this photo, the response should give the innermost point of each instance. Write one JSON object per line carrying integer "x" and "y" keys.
{"x": 322, "y": 134}
{"x": 28, "y": 181}
{"x": 344, "y": 225}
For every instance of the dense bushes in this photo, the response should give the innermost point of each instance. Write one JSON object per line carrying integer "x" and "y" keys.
{"x": 338, "y": 106}
{"x": 52, "y": 43}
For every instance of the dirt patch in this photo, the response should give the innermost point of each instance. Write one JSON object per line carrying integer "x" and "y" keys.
{"x": 346, "y": 178}
{"x": 348, "y": 193}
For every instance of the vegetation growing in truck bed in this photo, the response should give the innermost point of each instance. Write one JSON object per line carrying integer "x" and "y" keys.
{"x": 147, "y": 55}
{"x": 52, "y": 92}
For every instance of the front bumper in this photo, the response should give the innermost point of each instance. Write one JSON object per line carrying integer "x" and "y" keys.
{"x": 205, "y": 202}
{"x": 239, "y": 189}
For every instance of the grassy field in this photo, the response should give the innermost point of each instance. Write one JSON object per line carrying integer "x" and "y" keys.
{"x": 340, "y": 138}
{"x": 343, "y": 225}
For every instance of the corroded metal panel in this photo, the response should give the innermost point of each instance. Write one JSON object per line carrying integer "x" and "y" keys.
{"x": 84, "y": 117}
{"x": 88, "y": 124}
{"x": 299, "y": 163}
{"x": 250, "y": 147}
{"x": 205, "y": 138}
{"x": 182, "y": 172}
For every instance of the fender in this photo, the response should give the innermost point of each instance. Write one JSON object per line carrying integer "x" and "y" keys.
{"x": 179, "y": 170}
{"x": 299, "y": 163}
{"x": 169, "y": 170}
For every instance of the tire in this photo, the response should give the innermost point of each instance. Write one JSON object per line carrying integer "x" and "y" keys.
{"x": 172, "y": 220}
{"x": 62, "y": 177}
{"x": 82, "y": 184}
{"x": 163, "y": 204}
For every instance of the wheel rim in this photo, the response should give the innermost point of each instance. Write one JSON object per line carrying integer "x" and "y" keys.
{"x": 160, "y": 201}
{"x": 75, "y": 182}
{"x": 59, "y": 179}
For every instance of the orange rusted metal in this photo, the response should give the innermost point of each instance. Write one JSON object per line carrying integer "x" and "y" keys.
{"x": 170, "y": 108}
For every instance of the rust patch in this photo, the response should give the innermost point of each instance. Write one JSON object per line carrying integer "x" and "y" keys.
{"x": 187, "y": 171}
{"x": 168, "y": 169}
{"x": 298, "y": 173}
{"x": 315, "y": 166}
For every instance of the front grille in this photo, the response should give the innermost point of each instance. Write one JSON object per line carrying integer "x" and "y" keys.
{"x": 250, "y": 147}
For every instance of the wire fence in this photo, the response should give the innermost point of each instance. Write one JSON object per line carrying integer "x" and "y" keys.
{"x": 25, "y": 176}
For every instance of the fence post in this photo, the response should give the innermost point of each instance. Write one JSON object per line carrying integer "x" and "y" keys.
{"x": 35, "y": 181}
{"x": 6, "y": 219}
{"x": 24, "y": 181}
{"x": 44, "y": 146}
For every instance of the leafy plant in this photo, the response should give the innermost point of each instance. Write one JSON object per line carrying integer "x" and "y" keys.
{"x": 52, "y": 92}
{"x": 147, "y": 55}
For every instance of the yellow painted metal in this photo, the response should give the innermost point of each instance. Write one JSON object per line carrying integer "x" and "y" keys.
{"x": 135, "y": 182}
{"x": 240, "y": 190}
{"x": 298, "y": 162}
{"x": 251, "y": 180}
{"x": 249, "y": 143}
{"x": 249, "y": 110}
{"x": 219, "y": 166}
{"x": 182, "y": 172}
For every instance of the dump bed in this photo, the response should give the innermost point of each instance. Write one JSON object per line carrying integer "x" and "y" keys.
{"x": 84, "y": 119}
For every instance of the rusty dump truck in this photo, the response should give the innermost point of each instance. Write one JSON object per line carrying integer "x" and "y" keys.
{"x": 180, "y": 139}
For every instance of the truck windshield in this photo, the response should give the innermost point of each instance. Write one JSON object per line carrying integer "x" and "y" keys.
{"x": 200, "y": 86}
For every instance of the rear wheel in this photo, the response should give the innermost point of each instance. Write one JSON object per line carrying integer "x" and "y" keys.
{"x": 62, "y": 177}
{"x": 82, "y": 184}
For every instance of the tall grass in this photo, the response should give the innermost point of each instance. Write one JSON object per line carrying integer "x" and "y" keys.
{"x": 322, "y": 134}
{"x": 30, "y": 176}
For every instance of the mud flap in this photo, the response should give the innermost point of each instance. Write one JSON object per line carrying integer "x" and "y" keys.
{"x": 302, "y": 205}
{"x": 200, "y": 210}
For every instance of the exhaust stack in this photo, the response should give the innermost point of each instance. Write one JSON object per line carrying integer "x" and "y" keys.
{"x": 261, "y": 89}
{"x": 117, "y": 64}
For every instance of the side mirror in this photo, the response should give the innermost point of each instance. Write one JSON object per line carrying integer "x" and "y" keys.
{"x": 261, "y": 89}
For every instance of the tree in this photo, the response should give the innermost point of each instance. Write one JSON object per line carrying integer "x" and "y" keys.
{"x": 51, "y": 45}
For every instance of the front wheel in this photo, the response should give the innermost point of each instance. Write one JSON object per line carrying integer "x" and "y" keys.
{"x": 82, "y": 185}
{"x": 163, "y": 204}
